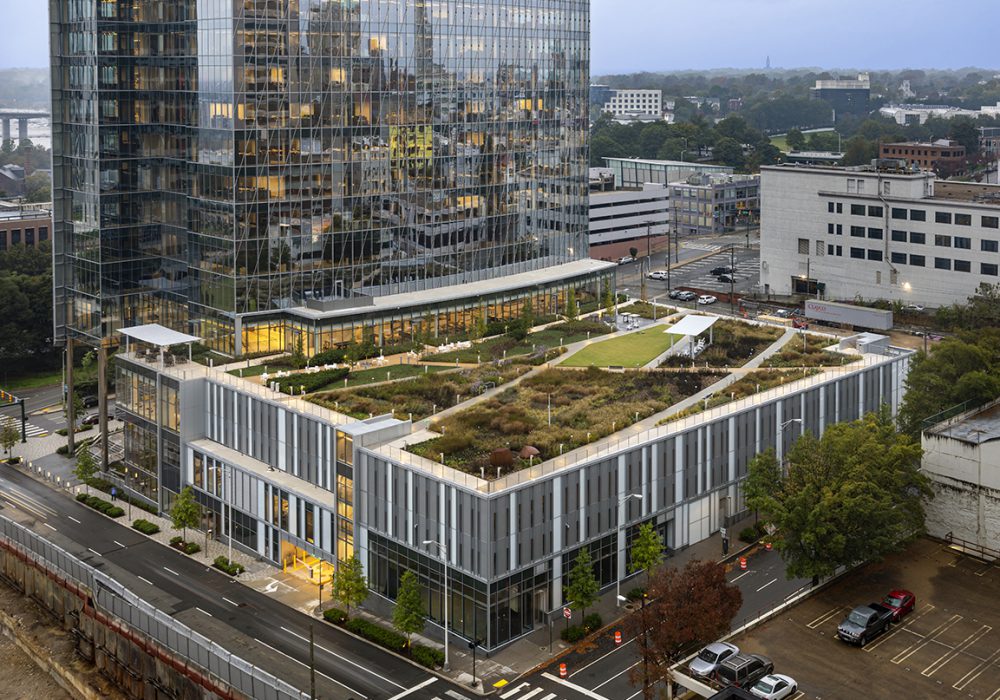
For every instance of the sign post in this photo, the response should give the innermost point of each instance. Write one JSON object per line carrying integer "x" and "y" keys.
{"x": 567, "y": 613}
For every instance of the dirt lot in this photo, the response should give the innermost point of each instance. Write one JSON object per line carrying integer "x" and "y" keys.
{"x": 949, "y": 647}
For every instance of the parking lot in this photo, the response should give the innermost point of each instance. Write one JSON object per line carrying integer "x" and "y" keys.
{"x": 948, "y": 647}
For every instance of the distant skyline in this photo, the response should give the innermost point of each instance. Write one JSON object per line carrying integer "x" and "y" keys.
{"x": 666, "y": 35}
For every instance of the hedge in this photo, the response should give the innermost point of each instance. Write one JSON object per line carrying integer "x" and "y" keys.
{"x": 426, "y": 656}
{"x": 335, "y": 615}
{"x": 187, "y": 547}
{"x": 105, "y": 486}
{"x": 390, "y": 639}
{"x": 230, "y": 567}
{"x": 99, "y": 504}
{"x": 753, "y": 533}
{"x": 146, "y": 527}
{"x": 311, "y": 381}
{"x": 574, "y": 633}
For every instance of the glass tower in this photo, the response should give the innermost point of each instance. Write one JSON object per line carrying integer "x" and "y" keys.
{"x": 221, "y": 163}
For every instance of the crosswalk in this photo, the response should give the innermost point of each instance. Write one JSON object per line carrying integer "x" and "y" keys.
{"x": 30, "y": 429}
{"x": 528, "y": 691}
{"x": 707, "y": 247}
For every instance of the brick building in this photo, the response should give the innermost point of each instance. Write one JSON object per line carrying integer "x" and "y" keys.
{"x": 940, "y": 155}
{"x": 24, "y": 226}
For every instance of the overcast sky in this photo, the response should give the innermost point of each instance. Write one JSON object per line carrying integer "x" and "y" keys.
{"x": 635, "y": 35}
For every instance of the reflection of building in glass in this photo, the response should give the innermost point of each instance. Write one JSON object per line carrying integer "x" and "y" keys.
{"x": 705, "y": 204}
{"x": 250, "y": 166}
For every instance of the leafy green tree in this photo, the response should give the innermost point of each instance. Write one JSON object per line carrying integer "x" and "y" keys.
{"x": 608, "y": 299}
{"x": 408, "y": 615}
{"x": 966, "y": 132}
{"x": 859, "y": 151}
{"x": 9, "y": 435}
{"x": 795, "y": 140}
{"x": 728, "y": 151}
{"x": 583, "y": 586}
{"x": 647, "y": 551}
{"x": 38, "y": 187}
{"x": 634, "y": 252}
{"x": 86, "y": 466}
{"x": 572, "y": 309}
{"x": 763, "y": 480}
{"x": 854, "y": 495}
{"x": 528, "y": 314}
{"x": 299, "y": 355}
{"x": 349, "y": 586}
{"x": 186, "y": 511}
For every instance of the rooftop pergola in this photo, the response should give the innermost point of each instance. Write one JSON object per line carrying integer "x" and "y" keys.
{"x": 692, "y": 326}
{"x": 158, "y": 336}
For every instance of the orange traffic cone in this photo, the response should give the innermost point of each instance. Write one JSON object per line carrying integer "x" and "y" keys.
{"x": 743, "y": 563}
{"x": 562, "y": 670}
{"x": 618, "y": 637}
{"x": 767, "y": 546}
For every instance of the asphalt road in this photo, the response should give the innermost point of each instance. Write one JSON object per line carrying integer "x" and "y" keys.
{"x": 605, "y": 669}
{"x": 248, "y": 623}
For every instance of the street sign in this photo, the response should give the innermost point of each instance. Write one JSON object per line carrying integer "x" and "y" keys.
{"x": 723, "y": 532}
{"x": 567, "y": 613}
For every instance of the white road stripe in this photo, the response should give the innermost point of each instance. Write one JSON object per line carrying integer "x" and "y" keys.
{"x": 74, "y": 519}
{"x": 171, "y": 571}
{"x": 300, "y": 663}
{"x": 144, "y": 580}
{"x": 455, "y": 695}
{"x": 616, "y": 676}
{"x": 739, "y": 577}
{"x": 513, "y": 691}
{"x": 119, "y": 544}
{"x": 976, "y": 671}
{"x": 912, "y": 649}
{"x": 600, "y": 658}
{"x": 236, "y": 605}
{"x": 905, "y": 628}
{"x": 50, "y": 527}
{"x": 766, "y": 585}
{"x": 950, "y": 655}
{"x": 552, "y": 695}
{"x": 342, "y": 658}
{"x": 94, "y": 551}
{"x": 574, "y": 686}
{"x": 203, "y": 612}
{"x": 823, "y": 618}
{"x": 527, "y": 695}
{"x": 413, "y": 689}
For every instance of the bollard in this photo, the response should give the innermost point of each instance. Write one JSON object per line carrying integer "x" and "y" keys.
{"x": 743, "y": 563}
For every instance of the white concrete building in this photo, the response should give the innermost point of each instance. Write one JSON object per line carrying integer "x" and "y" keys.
{"x": 962, "y": 460}
{"x": 623, "y": 215}
{"x": 919, "y": 114}
{"x": 624, "y": 103}
{"x": 880, "y": 232}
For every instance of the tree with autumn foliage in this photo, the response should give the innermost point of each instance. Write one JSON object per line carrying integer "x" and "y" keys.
{"x": 691, "y": 607}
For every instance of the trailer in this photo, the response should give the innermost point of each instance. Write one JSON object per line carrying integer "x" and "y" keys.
{"x": 849, "y": 315}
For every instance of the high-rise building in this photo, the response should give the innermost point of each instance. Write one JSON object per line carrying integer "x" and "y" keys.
{"x": 270, "y": 173}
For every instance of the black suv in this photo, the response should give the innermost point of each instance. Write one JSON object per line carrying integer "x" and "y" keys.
{"x": 723, "y": 270}
{"x": 743, "y": 670}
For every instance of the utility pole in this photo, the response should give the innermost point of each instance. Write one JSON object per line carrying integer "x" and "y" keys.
{"x": 312, "y": 664}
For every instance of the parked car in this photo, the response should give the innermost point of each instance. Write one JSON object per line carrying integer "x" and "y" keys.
{"x": 743, "y": 670}
{"x": 726, "y": 278}
{"x": 707, "y": 662}
{"x": 901, "y": 602}
{"x": 706, "y": 299}
{"x": 774, "y": 687}
{"x": 783, "y": 313}
{"x": 864, "y": 623}
{"x": 687, "y": 296}
{"x": 675, "y": 293}
{"x": 914, "y": 308}
{"x": 800, "y": 323}
{"x": 658, "y": 275}
{"x": 722, "y": 270}
{"x": 89, "y": 401}
{"x": 625, "y": 259}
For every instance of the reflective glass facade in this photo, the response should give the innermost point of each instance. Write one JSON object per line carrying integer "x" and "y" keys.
{"x": 217, "y": 159}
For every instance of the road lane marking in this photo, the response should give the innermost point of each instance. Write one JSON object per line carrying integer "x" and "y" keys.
{"x": 616, "y": 676}
{"x": 526, "y": 696}
{"x": 413, "y": 689}
{"x": 739, "y": 577}
{"x": 12, "y": 499}
{"x": 74, "y": 520}
{"x": 344, "y": 658}
{"x": 995, "y": 695}
{"x": 318, "y": 672}
{"x": 50, "y": 527}
{"x": 949, "y": 656}
{"x": 976, "y": 671}
{"x": 458, "y": 696}
{"x": 630, "y": 697}
{"x": 119, "y": 544}
{"x": 170, "y": 571}
{"x": 792, "y": 595}
{"x": 905, "y": 628}
{"x": 601, "y": 658}
{"x": 914, "y": 648}
{"x": 31, "y": 499}
{"x": 94, "y": 551}
{"x": 203, "y": 612}
{"x": 578, "y": 688}
{"x": 823, "y": 618}
{"x": 766, "y": 585}
{"x": 552, "y": 695}
{"x": 145, "y": 580}
{"x": 513, "y": 691}
{"x": 236, "y": 605}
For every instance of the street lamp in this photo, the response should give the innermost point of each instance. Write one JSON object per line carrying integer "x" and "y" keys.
{"x": 443, "y": 549}
{"x": 618, "y": 581}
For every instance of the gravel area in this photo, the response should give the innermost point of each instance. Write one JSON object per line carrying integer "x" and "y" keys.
{"x": 22, "y": 677}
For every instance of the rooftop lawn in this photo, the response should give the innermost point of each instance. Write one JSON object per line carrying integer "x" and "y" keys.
{"x": 733, "y": 345}
{"x": 633, "y": 350}
{"x": 534, "y": 345}
{"x": 586, "y": 406}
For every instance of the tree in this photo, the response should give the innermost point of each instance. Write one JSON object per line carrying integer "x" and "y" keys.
{"x": 854, "y": 495}
{"x": 634, "y": 252}
{"x": 298, "y": 355}
{"x": 528, "y": 314}
{"x": 965, "y": 131}
{"x": 38, "y": 187}
{"x": 86, "y": 466}
{"x": 186, "y": 511}
{"x": 859, "y": 151}
{"x": 408, "y": 615}
{"x": 728, "y": 151}
{"x": 763, "y": 478}
{"x": 583, "y": 585}
{"x": 9, "y": 435}
{"x": 608, "y": 298}
{"x": 350, "y": 587}
{"x": 694, "y": 606}
{"x": 795, "y": 140}
{"x": 572, "y": 310}
{"x": 647, "y": 551}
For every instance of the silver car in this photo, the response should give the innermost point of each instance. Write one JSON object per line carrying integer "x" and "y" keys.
{"x": 709, "y": 658}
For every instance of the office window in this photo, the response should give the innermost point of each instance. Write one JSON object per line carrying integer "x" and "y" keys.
{"x": 858, "y": 231}
{"x": 918, "y": 238}
{"x": 875, "y": 233}
{"x": 858, "y": 253}
{"x": 963, "y": 242}
{"x": 989, "y": 246}
{"x": 840, "y": 251}
{"x": 819, "y": 248}
{"x": 857, "y": 209}
{"x": 988, "y": 269}
{"x": 852, "y": 184}
{"x": 43, "y": 233}
{"x": 899, "y": 236}
{"x": 898, "y": 258}
{"x": 942, "y": 241}
{"x": 15, "y": 236}
{"x": 942, "y": 217}
{"x": 942, "y": 263}
{"x": 898, "y": 213}
{"x": 861, "y": 186}
{"x": 840, "y": 207}
{"x": 963, "y": 219}
{"x": 918, "y": 260}
{"x": 830, "y": 249}
{"x": 804, "y": 246}
{"x": 991, "y": 222}
{"x": 963, "y": 266}
{"x": 840, "y": 229}
{"x": 875, "y": 211}
{"x": 829, "y": 228}
{"x": 829, "y": 207}
{"x": 918, "y": 215}
{"x": 874, "y": 254}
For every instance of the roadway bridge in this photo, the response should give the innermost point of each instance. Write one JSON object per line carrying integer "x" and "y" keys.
{"x": 22, "y": 117}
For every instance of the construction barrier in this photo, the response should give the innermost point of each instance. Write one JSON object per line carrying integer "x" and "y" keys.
{"x": 743, "y": 563}
{"x": 562, "y": 670}
{"x": 618, "y": 637}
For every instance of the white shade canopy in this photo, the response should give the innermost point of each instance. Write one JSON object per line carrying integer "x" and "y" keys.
{"x": 692, "y": 325}
{"x": 160, "y": 336}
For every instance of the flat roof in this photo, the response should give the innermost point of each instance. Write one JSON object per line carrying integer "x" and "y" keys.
{"x": 456, "y": 292}
{"x": 692, "y": 325}
{"x": 155, "y": 334}
{"x": 677, "y": 163}
{"x": 976, "y": 428}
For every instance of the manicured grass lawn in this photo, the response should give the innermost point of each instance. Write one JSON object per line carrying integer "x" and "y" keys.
{"x": 632, "y": 350}
{"x": 33, "y": 381}
{"x": 780, "y": 143}
{"x": 493, "y": 349}
{"x": 385, "y": 374}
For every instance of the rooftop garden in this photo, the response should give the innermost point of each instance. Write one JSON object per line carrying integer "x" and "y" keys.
{"x": 585, "y": 406}
{"x": 808, "y": 351}
{"x": 644, "y": 309}
{"x": 422, "y": 396}
{"x": 733, "y": 345}
{"x": 748, "y": 385}
{"x": 632, "y": 350}
{"x": 532, "y": 348}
